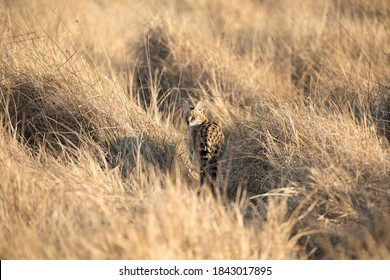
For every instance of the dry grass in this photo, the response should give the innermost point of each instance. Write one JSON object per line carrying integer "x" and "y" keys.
{"x": 94, "y": 163}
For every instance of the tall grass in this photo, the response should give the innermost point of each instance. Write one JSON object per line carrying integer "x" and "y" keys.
{"x": 93, "y": 149}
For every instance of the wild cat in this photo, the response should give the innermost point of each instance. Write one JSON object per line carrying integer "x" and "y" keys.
{"x": 207, "y": 143}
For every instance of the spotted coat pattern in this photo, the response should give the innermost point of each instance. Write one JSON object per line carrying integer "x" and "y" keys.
{"x": 207, "y": 141}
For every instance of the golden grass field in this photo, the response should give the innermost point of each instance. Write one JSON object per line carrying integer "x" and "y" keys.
{"x": 94, "y": 162}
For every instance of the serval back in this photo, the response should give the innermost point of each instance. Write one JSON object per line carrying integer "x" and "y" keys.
{"x": 207, "y": 143}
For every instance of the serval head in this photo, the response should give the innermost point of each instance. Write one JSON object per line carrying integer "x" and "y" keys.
{"x": 194, "y": 115}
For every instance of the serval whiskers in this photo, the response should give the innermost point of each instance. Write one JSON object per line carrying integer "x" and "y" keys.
{"x": 207, "y": 143}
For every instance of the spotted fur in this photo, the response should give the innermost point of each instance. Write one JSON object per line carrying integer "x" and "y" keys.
{"x": 207, "y": 143}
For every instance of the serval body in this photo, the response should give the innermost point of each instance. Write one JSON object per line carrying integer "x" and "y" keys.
{"x": 207, "y": 143}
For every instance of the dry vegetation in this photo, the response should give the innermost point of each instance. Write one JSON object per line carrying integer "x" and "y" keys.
{"x": 94, "y": 163}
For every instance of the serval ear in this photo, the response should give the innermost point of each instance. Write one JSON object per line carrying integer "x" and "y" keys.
{"x": 186, "y": 105}
{"x": 200, "y": 105}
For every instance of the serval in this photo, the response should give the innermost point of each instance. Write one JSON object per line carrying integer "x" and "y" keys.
{"x": 207, "y": 143}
